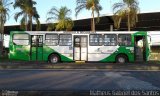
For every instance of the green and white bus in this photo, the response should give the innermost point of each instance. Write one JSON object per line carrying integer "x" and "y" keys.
{"x": 115, "y": 46}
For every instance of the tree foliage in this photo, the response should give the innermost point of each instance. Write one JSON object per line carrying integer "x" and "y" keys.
{"x": 93, "y": 5}
{"x": 28, "y": 12}
{"x": 61, "y": 16}
{"x": 126, "y": 9}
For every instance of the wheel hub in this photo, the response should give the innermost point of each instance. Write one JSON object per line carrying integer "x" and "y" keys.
{"x": 121, "y": 60}
{"x": 54, "y": 59}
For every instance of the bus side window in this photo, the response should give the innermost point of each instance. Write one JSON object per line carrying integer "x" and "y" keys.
{"x": 96, "y": 40}
{"x": 110, "y": 40}
{"x": 21, "y": 39}
{"x": 124, "y": 39}
{"x": 51, "y": 39}
{"x": 65, "y": 39}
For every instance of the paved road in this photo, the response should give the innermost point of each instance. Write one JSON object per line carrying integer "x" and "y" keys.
{"x": 79, "y": 80}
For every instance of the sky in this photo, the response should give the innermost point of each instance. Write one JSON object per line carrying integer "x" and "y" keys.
{"x": 43, "y": 6}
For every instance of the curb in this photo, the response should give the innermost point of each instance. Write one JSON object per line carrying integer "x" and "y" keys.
{"x": 114, "y": 67}
{"x": 115, "y": 70}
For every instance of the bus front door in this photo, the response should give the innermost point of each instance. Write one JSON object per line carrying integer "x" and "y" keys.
{"x": 80, "y": 48}
{"x": 140, "y": 48}
{"x": 36, "y": 47}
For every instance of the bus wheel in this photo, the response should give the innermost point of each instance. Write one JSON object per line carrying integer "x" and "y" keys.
{"x": 54, "y": 58}
{"x": 121, "y": 59}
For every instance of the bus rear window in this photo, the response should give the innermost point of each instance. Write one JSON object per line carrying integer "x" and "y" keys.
{"x": 124, "y": 39}
{"x": 21, "y": 39}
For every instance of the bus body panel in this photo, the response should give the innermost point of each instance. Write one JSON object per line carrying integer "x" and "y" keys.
{"x": 98, "y": 53}
{"x": 65, "y": 55}
{"x": 18, "y": 52}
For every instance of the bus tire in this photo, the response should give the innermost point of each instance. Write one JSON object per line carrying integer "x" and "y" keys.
{"x": 54, "y": 58}
{"x": 121, "y": 59}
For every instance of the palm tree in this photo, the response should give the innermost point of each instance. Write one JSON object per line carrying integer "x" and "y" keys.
{"x": 28, "y": 11}
{"x": 92, "y": 5}
{"x": 3, "y": 17}
{"x": 64, "y": 22}
{"x": 126, "y": 9}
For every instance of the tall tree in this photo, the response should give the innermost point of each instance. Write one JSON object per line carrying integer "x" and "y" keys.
{"x": 28, "y": 13}
{"x": 126, "y": 9}
{"x": 61, "y": 16}
{"x": 4, "y": 9}
{"x": 93, "y": 5}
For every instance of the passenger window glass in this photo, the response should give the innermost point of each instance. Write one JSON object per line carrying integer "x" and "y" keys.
{"x": 96, "y": 40}
{"x": 77, "y": 42}
{"x": 124, "y": 39}
{"x": 83, "y": 42}
{"x": 51, "y": 39}
{"x": 65, "y": 40}
{"x": 37, "y": 40}
{"x": 110, "y": 40}
{"x": 21, "y": 39}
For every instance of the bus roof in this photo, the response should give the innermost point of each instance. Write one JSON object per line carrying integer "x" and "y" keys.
{"x": 77, "y": 32}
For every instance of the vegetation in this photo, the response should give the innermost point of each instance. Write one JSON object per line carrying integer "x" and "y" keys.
{"x": 92, "y": 5}
{"x": 64, "y": 22}
{"x": 126, "y": 9}
{"x": 28, "y": 11}
{"x": 3, "y": 18}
